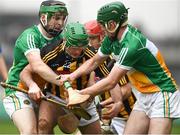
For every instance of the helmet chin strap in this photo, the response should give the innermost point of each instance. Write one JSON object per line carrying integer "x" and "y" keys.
{"x": 51, "y": 32}
{"x": 44, "y": 21}
{"x": 111, "y": 31}
{"x": 115, "y": 30}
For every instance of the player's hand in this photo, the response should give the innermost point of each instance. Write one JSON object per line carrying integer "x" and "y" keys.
{"x": 106, "y": 102}
{"x": 66, "y": 77}
{"x": 35, "y": 92}
{"x": 113, "y": 110}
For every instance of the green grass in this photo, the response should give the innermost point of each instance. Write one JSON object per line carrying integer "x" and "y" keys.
{"x": 7, "y": 127}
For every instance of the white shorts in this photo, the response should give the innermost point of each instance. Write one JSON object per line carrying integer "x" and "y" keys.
{"x": 118, "y": 125}
{"x": 17, "y": 101}
{"x": 92, "y": 111}
{"x": 159, "y": 104}
{"x": 135, "y": 92}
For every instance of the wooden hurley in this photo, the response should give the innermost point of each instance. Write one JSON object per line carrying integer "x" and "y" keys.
{"x": 75, "y": 98}
{"x": 77, "y": 110}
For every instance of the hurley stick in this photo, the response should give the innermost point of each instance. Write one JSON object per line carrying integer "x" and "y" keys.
{"x": 77, "y": 110}
{"x": 5, "y": 85}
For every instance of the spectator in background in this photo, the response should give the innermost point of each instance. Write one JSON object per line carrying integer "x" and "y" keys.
{"x": 3, "y": 67}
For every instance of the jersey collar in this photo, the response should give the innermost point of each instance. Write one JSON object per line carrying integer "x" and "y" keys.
{"x": 39, "y": 28}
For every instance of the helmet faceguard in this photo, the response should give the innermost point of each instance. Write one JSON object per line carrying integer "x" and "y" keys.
{"x": 52, "y": 8}
{"x": 114, "y": 11}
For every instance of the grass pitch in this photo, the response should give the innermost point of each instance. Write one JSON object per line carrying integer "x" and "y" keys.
{"x": 7, "y": 127}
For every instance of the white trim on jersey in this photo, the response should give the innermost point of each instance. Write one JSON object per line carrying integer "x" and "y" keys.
{"x": 122, "y": 66}
{"x": 40, "y": 30}
{"x": 30, "y": 41}
{"x": 101, "y": 54}
{"x": 30, "y": 50}
{"x": 124, "y": 33}
{"x": 122, "y": 55}
{"x": 152, "y": 48}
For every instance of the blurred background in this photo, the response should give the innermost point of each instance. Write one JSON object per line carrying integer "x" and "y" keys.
{"x": 157, "y": 19}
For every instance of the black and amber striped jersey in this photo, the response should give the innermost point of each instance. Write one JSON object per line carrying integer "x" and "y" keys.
{"x": 61, "y": 62}
{"x": 129, "y": 102}
{"x": 58, "y": 60}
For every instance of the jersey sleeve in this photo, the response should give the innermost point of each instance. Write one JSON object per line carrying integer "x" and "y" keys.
{"x": 110, "y": 63}
{"x": 124, "y": 80}
{"x": 28, "y": 42}
{"x": 105, "y": 50}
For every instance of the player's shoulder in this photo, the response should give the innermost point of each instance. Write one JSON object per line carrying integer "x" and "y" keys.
{"x": 90, "y": 48}
{"x": 133, "y": 39}
{"x": 30, "y": 33}
{"x": 106, "y": 41}
{"x": 90, "y": 51}
{"x": 53, "y": 47}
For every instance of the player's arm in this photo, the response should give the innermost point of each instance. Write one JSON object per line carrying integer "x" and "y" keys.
{"x": 114, "y": 103}
{"x": 114, "y": 107}
{"x": 39, "y": 67}
{"x": 107, "y": 83}
{"x": 91, "y": 80}
{"x": 126, "y": 90}
{"x": 30, "y": 46}
{"x": 26, "y": 77}
{"x": 122, "y": 66}
{"x": 86, "y": 68}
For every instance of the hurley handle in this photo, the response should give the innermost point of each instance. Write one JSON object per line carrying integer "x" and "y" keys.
{"x": 5, "y": 85}
{"x": 67, "y": 85}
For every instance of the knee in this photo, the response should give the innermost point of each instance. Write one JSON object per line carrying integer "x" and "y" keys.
{"x": 44, "y": 126}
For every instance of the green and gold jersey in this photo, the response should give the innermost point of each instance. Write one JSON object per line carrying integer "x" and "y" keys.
{"x": 31, "y": 39}
{"x": 147, "y": 69}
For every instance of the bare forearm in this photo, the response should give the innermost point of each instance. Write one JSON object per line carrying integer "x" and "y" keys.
{"x": 126, "y": 91}
{"x": 100, "y": 87}
{"x": 46, "y": 73}
{"x": 116, "y": 94}
{"x": 107, "y": 83}
{"x": 26, "y": 76}
{"x": 91, "y": 80}
{"x": 39, "y": 67}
